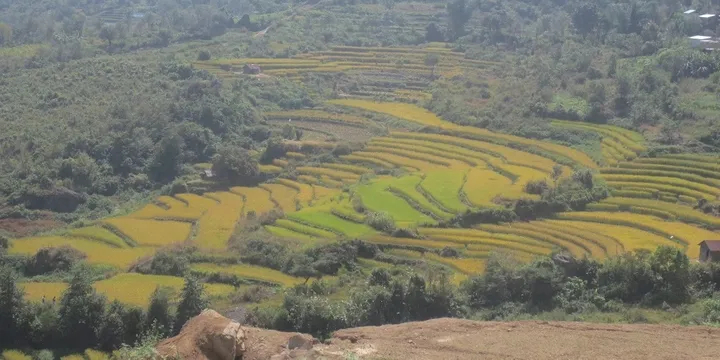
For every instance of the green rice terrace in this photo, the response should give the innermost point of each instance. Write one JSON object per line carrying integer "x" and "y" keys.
{"x": 406, "y": 187}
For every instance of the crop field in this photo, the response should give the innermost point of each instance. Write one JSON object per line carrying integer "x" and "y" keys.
{"x": 673, "y": 232}
{"x": 282, "y": 195}
{"x": 136, "y": 289}
{"x": 218, "y": 223}
{"x": 444, "y": 188}
{"x": 332, "y": 173}
{"x": 629, "y": 238}
{"x": 256, "y": 199}
{"x": 356, "y": 158}
{"x": 98, "y": 233}
{"x": 654, "y": 187}
{"x": 249, "y": 272}
{"x": 396, "y": 160}
{"x": 406, "y": 187}
{"x": 376, "y": 198}
{"x": 576, "y": 246}
{"x": 678, "y": 211}
{"x": 709, "y": 190}
{"x": 668, "y": 168}
{"x": 151, "y": 232}
{"x": 305, "y": 193}
{"x": 360, "y": 170}
{"x": 483, "y": 186}
{"x": 321, "y": 217}
{"x": 96, "y": 355}
{"x": 447, "y": 161}
{"x": 97, "y": 252}
{"x": 35, "y": 291}
{"x": 304, "y": 229}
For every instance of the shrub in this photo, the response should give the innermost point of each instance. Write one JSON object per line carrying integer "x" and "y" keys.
{"x": 203, "y": 55}
{"x": 381, "y": 221}
{"x": 49, "y": 260}
{"x": 536, "y": 187}
{"x": 172, "y": 262}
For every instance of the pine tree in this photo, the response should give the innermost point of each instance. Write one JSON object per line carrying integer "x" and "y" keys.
{"x": 81, "y": 312}
{"x": 159, "y": 317}
{"x": 11, "y": 302}
{"x": 192, "y": 303}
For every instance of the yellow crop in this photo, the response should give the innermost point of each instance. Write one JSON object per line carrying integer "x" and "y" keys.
{"x": 447, "y": 161}
{"x": 710, "y": 190}
{"x": 400, "y": 161}
{"x": 576, "y": 247}
{"x": 269, "y": 169}
{"x": 627, "y": 138}
{"x": 218, "y": 223}
{"x": 295, "y": 155}
{"x": 304, "y": 191}
{"x": 326, "y": 180}
{"x": 151, "y": 232}
{"x": 365, "y": 159}
{"x": 650, "y": 186}
{"x": 492, "y": 243}
{"x": 466, "y": 266}
{"x": 15, "y": 355}
{"x": 475, "y": 236}
{"x": 335, "y": 174}
{"x": 485, "y": 150}
{"x": 73, "y": 357}
{"x": 308, "y": 179}
{"x": 629, "y": 238}
{"x": 304, "y": 229}
{"x": 136, "y": 289}
{"x": 96, "y": 355}
{"x": 597, "y": 248}
{"x": 391, "y": 240}
{"x": 97, "y": 253}
{"x": 280, "y": 162}
{"x": 249, "y": 272}
{"x": 695, "y": 157}
{"x": 360, "y": 170}
{"x": 419, "y": 115}
{"x": 282, "y": 195}
{"x": 35, "y": 291}
{"x": 681, "y": 162}
{"x": 685, "y": 234}
{"x": 197, "y": 202}
{"x": 435, "y": 149}
{"x": 256, "y": 199}
{"x": 684, "y": 213}
{"x": 177, "y": 209}
{"x": 98, "y": 233}
{"x": 321, "y": 192}
{"x": 665, "y": 173}
{"x": 483, "y": 186}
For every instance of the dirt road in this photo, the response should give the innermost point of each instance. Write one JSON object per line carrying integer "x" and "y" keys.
{"x": 464, "y": 339}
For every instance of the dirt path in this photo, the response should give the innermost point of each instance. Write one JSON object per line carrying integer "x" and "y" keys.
{"x": 464, "y": 339}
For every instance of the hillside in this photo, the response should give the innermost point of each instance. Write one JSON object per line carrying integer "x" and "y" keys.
{"x": 485, "y": 160}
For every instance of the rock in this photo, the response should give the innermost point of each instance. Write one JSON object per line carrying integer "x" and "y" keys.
{"x": 300, "y": 341}
{"x": 208, "y": 336}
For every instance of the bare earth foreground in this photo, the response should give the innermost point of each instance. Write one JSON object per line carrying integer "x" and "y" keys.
{"x": 464, "y": 339}
{"x": 210, "y": 336}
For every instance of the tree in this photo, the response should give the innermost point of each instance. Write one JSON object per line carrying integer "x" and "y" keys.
{"x": 432, "y": 60}
{"x": 235, "y": 165}
{"x": 112, "y": 334}
{"x": 459, "y": 13}
{"x": 192, "y": 302}
{"x": 81, "y": 312}
{"x": 433, "y": 33}
{"x": 586, "y": 18}
{"x": 11, "y": 303}
{"x": 159, "y": 317}
{"x": 108, "y": 33}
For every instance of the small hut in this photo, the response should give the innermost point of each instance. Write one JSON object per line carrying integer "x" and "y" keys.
{"x": 710, "y": 251}
{"x": 251, "y": 69}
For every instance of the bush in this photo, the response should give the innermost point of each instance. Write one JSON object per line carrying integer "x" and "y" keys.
{"x": 172, "y": 262}
{"x": 380, "y": 221}
{"x": 536, "y": 187}
{"x": 236, "y": 165}
{"x": 203, "y": 55}
{"x": 48, "y": 260}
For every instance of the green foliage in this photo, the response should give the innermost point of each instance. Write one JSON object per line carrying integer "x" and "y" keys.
{"x": 380, "y": 221}
{"x": 192, "y": 302}
{"x": 11, "y": 303}
{"x": 48, "y": 260}
{"x": 159, "y": 315}
{"x": 236, "y": 165}
{"x": 81, "y": 312}
{"x": 172, "y": 262}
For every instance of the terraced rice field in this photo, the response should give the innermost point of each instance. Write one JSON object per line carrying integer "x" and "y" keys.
{"x": 151, "y": 232}
{"x": 445, "y": 188}
{"x": 256, "y": 199}
{"x": 407, "y": 188}
{"x": 15, "y": 355}
{"x": 97, "y": 252}
{"x": 284, "y": 196}
{"x": 217, "y": 224}
{"x": 250, "y": 272}
{"x": 376, "y": 198}
{"x": 98, "y": 233}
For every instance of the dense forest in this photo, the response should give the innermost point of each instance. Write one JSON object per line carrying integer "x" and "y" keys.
{"x": 131, "y": 127}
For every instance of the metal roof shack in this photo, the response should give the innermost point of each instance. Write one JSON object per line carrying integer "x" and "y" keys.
{"x": 707, "y": 16}
{"x": 710, "y": 251}
{"x": 688, "y": 12}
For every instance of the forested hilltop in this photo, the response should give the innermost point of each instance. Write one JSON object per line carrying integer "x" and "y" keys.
{"x": 311, "y": 166}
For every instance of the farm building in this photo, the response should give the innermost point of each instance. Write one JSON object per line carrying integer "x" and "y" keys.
{"x": 251, "y": 69}
{"x": 207, "y": 174}
{"x": 710, "y": 250}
